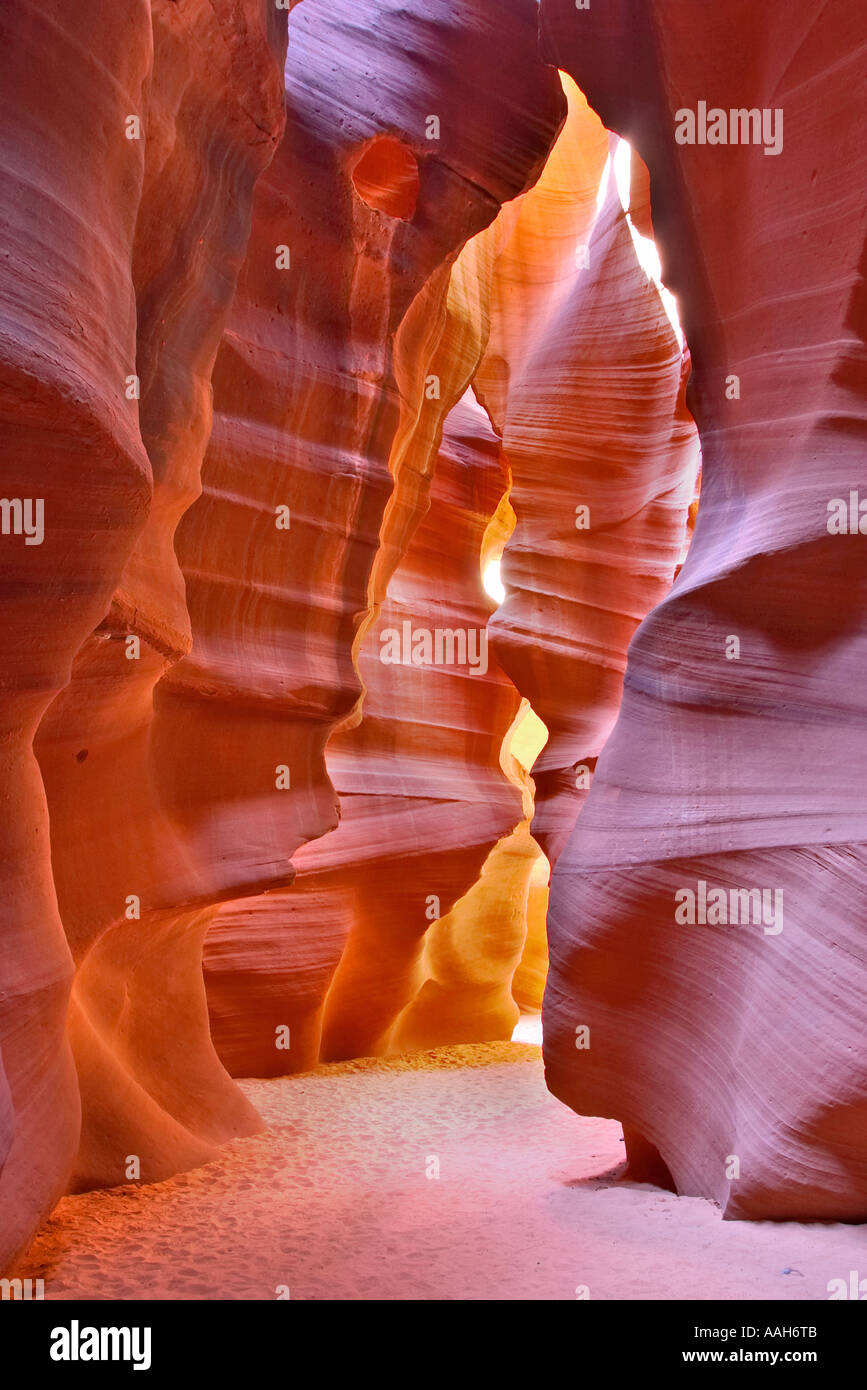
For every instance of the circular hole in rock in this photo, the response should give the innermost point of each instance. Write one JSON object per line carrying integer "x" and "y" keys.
{"x": 385, "y": 176}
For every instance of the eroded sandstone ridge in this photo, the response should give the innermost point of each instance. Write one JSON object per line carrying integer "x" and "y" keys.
{"x": 337, "y": 959}
{"x": 733, "y": 1054}
{"x": 584, "y": 376}
{"x": 132, "y": 137}
{"x": 366, "y": 350}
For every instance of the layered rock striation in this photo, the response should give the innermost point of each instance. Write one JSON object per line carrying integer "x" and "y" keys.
{"x": 584, "y": 377}
{"x": 706, "y": 920}
{"x": 329, "y": 969}
{"x": 127, "y": 207}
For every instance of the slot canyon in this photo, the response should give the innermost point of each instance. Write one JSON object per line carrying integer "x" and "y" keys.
{"x": 433, "y": 596}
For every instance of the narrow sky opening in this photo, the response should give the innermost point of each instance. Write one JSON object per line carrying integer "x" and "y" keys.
{"x": 493, "y": 583}
{"x": 645, "y": 247}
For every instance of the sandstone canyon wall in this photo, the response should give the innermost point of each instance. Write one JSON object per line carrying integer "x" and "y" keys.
{"x": 733, "y": 1054}
{"x": 126, "y": 201}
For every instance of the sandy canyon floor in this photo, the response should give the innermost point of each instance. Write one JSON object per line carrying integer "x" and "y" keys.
{"x": 335, "y": 1201}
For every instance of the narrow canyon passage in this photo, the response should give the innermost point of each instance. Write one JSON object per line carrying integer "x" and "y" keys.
{"x": 433, "y": 618}
{"x": 451, "y": 1174}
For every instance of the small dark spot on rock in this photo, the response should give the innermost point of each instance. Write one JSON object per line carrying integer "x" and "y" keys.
{"x": 81, "y": 755}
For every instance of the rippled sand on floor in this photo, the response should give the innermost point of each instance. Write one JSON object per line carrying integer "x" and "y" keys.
{"x": 334, "y": 1201}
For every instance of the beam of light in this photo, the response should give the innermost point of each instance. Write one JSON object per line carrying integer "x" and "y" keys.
{"x": 528, "y": 1029}
{"x": 623, "y": 172}
{"x": 492, "y": 581}
{"x": 603, "y": 185}
{"x": 645, "y": 247}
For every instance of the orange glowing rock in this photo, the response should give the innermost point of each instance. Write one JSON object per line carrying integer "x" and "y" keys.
{"x": 347, "y": 958}
{"x": 409, "y": 342}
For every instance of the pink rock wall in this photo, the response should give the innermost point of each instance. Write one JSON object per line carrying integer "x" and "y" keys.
{"x": 732, "y": 1053}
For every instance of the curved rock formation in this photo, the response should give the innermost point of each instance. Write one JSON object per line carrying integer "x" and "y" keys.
{"x": 731, "y": 1051}
{"x": 365, "y": 428}
{"x": 125, "y": 866}
{"x": 326, "y": 969}
{"x": 551, "y": 336}
{"x": 480, "y": 963}
{"x": 72, "y": 185}
{"x": 584, "y": 379}
{"x": 423, "y": 773}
